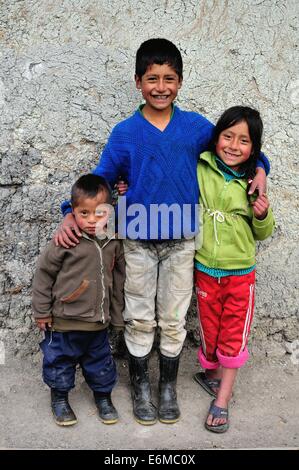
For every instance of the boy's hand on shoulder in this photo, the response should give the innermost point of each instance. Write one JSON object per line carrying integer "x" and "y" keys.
{"x": 259, "y": 183}
{"x": 44, "y": 323}
{"x": 260, "y": 207}
{"x": 67, "y": 232}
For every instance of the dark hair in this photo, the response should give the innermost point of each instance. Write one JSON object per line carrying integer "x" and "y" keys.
{"x": 158, "y": 51}
{"x": 252, "y": 117}
{"x": 89, "y": 186}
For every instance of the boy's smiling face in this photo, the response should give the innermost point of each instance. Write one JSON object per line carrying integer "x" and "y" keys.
{"x": 159, "y": 86}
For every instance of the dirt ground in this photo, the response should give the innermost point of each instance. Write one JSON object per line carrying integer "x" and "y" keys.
{"x": 264, "y": 413}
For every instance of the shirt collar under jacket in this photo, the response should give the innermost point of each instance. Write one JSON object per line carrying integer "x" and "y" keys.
{"x": 223, "y": 167}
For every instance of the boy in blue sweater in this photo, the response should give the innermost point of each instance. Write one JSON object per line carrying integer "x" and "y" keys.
{"x": 156, "y": 151}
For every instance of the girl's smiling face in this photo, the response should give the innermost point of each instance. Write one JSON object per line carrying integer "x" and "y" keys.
{"x": 234, "y": 145}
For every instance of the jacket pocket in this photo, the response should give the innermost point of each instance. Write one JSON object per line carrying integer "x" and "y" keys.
{"x": 77, "y": 292}
{"x": 81, "y": 303}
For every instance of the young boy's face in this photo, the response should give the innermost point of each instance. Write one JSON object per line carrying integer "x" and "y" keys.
{"x": 92, "y": 214}
{"x": 159, "y": 86}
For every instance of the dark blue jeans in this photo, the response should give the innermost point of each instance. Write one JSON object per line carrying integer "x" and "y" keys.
{"x": 63, "y": 351}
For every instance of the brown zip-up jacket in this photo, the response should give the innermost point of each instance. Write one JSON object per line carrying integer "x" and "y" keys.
{"x": 82, "y": 283}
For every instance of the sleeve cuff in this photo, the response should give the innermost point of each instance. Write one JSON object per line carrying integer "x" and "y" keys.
{"x": 66, "y": 208}
{"x": 264, "y": 163}
{"x": 264, "y": 222}
{"x": 260, "y": 164}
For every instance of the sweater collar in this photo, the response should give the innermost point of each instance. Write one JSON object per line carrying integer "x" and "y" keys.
{"x": 141, "y": 106}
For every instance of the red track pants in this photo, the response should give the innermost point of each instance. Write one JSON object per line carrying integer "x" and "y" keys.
{"x": 225, "y": 312}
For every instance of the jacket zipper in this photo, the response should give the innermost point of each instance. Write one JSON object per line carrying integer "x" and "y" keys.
{"x": 103, "y": 283}
{"x": 102, "y": 276}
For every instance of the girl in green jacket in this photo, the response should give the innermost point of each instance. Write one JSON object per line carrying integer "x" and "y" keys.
{"x": 225, "y": 258}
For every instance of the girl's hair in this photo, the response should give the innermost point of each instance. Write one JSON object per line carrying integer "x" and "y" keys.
{"x": 252, "y": 117}
{"x": 158, "y": 51}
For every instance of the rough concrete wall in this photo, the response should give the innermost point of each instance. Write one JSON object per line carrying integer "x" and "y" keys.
{"x": 66, "y": 78}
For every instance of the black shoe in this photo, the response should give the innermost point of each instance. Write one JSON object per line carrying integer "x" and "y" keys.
{"x": 169, "y": 411}
{"x": 63, "y": 413}
{"x": 144, "y": 411}
{"x": 107, "y": 411}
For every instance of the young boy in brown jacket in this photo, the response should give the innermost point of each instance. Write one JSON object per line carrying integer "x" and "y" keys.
{"x": 76, "y": 293}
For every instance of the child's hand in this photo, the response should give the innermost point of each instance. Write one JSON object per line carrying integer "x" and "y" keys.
{"x": 260, "y": 206}
{"x": 259, "y": 183}
{"x": 43, "y": 323}
{"x": 122, "y": 187}
{"x": 65, "y": 236}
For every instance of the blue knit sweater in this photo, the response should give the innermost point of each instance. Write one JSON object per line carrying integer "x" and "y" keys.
{"x": 160, "y": 168}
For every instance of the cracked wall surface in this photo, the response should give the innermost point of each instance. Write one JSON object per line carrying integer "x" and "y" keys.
{"x": 66, "y": 78}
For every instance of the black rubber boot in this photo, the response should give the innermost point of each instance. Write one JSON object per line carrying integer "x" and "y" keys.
{"x": 63, "y": 413}
{"x": 107, "y": 411}
{"x": 169, "y": 411}
{"x": 144, "y": 411}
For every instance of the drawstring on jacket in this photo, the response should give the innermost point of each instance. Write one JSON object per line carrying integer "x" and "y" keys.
{"x": 218, "y": 216}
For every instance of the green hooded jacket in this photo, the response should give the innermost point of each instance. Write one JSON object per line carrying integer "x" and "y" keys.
{"x": 229, "y": 230}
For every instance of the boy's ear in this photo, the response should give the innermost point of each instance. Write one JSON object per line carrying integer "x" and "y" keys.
{"x": 180, "y": 83}
{"x": 137, "y": 82}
